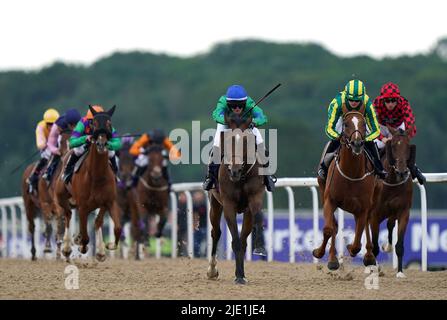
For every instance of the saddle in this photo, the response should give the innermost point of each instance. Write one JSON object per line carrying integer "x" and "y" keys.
{"x": 79, "y": 163}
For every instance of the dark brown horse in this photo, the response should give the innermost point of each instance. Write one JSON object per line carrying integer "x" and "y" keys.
{"x": 240, "y": 190}
{"x": 349, "y": 186}
{"x": 93, "y": 187}
{"x": 152, "y": 194}
{"x": 41, "y": 201}
{"x": 393, "y": 197}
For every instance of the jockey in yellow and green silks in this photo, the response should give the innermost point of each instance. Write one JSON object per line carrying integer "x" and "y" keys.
{"x": 352, "y": 98}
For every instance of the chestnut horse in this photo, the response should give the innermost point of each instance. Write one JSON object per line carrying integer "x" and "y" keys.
{"x": 152, "y": 198}
{"x": 93, "y": 187}
{"x": 393, "y": 197}
{"x": 350, "y": 186}
{"x": 41, "y": 201}
{"x": 240, "y": 190}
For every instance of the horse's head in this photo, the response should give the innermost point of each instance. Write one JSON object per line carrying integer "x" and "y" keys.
{"x": 156, "y": 159}
{"x": 63, "y": 142}
{"x": 354, "y": 131}
{"x": 239, "y": 152}
{"x": 102, "y": 128}
{"x": 399, "y": 152}
{"x": 237, "y": 121}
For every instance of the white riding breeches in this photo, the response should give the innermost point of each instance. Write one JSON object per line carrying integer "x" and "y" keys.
{"x": 221, "y": 128}
{"x": 45, "y": 154}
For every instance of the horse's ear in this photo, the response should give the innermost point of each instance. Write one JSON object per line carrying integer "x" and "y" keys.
{"x": 111, "y": 111}
{"x": 92, "y": 110}
{"x": 391, "y": 129}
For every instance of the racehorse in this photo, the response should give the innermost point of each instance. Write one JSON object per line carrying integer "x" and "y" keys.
{"x": 240, "y": 190}
{"x": 152, "y": 194}
{"x": 393, "y": 197}
{"x": 46, "y": 196}
{"x": 41, "y": 201}
{"x": 93, "y": 186}
{"x": 349, "y": 186}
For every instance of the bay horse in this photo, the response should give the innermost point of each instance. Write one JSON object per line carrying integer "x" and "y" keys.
{"x": 349, "y": 186}
{"x": 92, "y": 187}
{"x": 393, "y": 197}
{"x": 47, "y": 197}
{"x": 41, "y": 201}
{"x": 152, "y": 197}
{"x": 240, "y": 189}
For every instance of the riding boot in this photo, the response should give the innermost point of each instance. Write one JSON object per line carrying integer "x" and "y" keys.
{"x": 166, "y": 175}
{"x": 211, "y": 177}
{"x": 114, "y": 165}
{"x": 213, "y": 169}
{"x": 136, "y": 174}
{"x": 69, "y": 168}
{"x": 326, "y": 158}
{"x": 34, "y": 178}
{"x": 51, "y": 167}
{"x": 417, "y": 173}
{"x": 269, "y": 180}
{"x": 373, "y": 153}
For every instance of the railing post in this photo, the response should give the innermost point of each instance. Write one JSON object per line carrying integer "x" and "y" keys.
{"x": 270, "y": 227}
{"x": 4, "y": 247}
{"x": 14, "y": 231}
{"x": 23, "y": 231}
{"x": 424, "y": 227}
{"x": 341, "y": 240}
{"x": 174, "y": 227}
{"x": 315, "y": 217}
{"x": 228, "y": 247}
{"x": 190, "y": 227}
{"x": 292, "y": 236}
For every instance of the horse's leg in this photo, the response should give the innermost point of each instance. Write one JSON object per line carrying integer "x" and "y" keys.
{"x": 247, "y": 227}
{"x": 259, "y": 229}
{"x": 402, "y": 227}
{"x": 48, "y": 232}
{"x": 100, "y": 247}
{"x": 134, "y": 222}
{"x": 31, "y": 226}
{"x": 356, "y": 245}
{"x": 215, "y": 215}
{"x": 83, "y": 219}
{"x": 390, "y": 226}
{"x": 369, "y": 258}
{"x": 230, "y": 217}
{"x": 59, "y": 234}
{"x": 117, "y": 230}
{"x": 162, "y": 222}
{"x": 328, "y": 229}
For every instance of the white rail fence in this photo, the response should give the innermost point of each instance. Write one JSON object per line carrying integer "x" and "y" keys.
{"x": 12, "y": 209}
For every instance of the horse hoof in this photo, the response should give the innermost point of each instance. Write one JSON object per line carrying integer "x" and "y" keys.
{"x": 33, "y": 258}
{"x": 400, "y": 275}
{"x": 387, "y": 248}
{"x": 47, "y": 250}
{"x": 369, "y": 261}
{"x": 317, "y": 254}
{"x": 212, "y": 274}
{"x": 83, "y": 249}
{"x": 240, "y": 281}
{"x": 111, "y": 246}
{"x": 100, "y": 257}
{"x": 333, "y": 265}
{"x": 77, "y": 240}
{"x": 352, "y": 252}
{"x": 260, "y": 251}
{"x": 66, "y": 253}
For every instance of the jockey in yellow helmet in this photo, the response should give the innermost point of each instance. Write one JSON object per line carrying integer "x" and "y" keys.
{"x": 42, "y": 132}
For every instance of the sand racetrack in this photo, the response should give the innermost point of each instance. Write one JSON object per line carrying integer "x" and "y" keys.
{"x": 184, "y": 278}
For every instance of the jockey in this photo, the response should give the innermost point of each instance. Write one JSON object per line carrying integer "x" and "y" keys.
{"x": 42, "y": 132}
{"x": 353, "y": 96}
{"x": 237, "y": 101}
{"x": 139, "y": 150}
{"x": 67, "y": 121}
{"x": 81, "y": 136}
{"x": 394, "y": 110}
